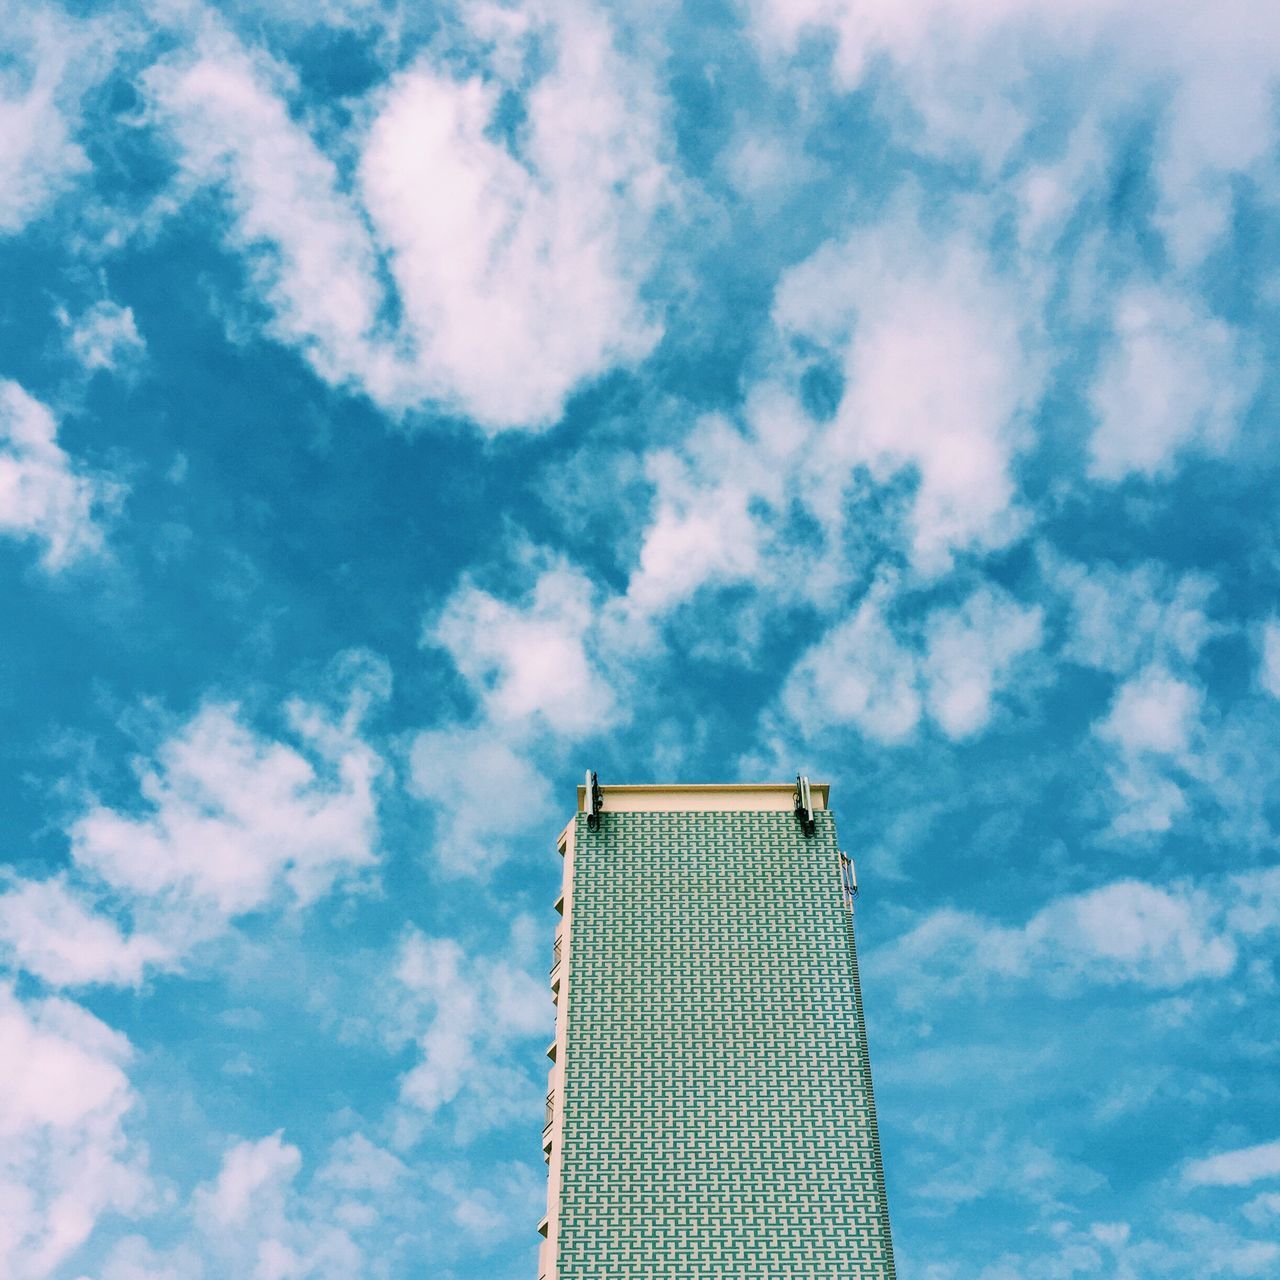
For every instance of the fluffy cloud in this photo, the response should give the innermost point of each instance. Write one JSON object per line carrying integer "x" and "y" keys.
{"x": 517, "y": 264}
{"x": 257, "y": 1226}
{"x": 1151, "y": 726}
{"x": 485, "y": 790}
{"x": 969, "y": 652}
{"x": 940, "y": 370}
{"x": 309, "y": 253}
{"x": 232, "y": 818}
{"x": 1235, "y": 1168}
{"x": 231, "y": 822}
{"x": 962, "y": 70}
{"x": 532, "y": 670}
{"x": 47, "y": 68}
{"x": 529, "y": 660}
{"x": 1154, "y": 712}
{"x": 475, "y": 1011}
{"x": 1124, "y": 932}
{"x": 1173, "y": 377}
{"x": 868, "y": 672}
{"x": 64, "y": 1155}
{"x": 1122, "y": 619}
{"x": 43, "y": 495}
{"x": 519, "y": 269}
{"x": 104, "y": 336}
{"x": 48, "y": 929}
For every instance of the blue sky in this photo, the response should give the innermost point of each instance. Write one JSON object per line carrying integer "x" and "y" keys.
{"x": 403, "y": 408}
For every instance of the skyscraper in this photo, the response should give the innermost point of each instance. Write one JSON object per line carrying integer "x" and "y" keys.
{"x": 709, "y": 1105}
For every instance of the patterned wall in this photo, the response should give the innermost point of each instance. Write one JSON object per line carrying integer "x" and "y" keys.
{"x": 718, "y": 1118}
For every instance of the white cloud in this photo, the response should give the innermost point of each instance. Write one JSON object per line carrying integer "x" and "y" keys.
{"x": 1122, "y": 619}
{"x": 1269, "y": 669}
{"x": 718, "y": 517}
{"x": 64, "y": 1155}
{"x": 941, "y": 368}
{"x": 104, "y": 336}
{"x": 231, "y": 822}
{"x": 43, "y": 495}
{"x": 234, "y": 819}
{"x": 857, "y": 673}
{"x": 308, "y": 250}
{"x": 1238, "y": 1168}
{"x": 698, "y": 534}
{"x": 475, "y": 1010}
{"x": 258, "y": 1226}
{"x": 867, "y": 672}
{"x": 1124, "y": 932}
{"x": 485, "y": 790}
{"x": 1263, "y": 1208}
{"x": 966, "y": 74}
{"x": 531, "y": 660}
{"x": 1172, "y": 378}
{"x": 1132, "y": 931}
{"x": 517, "y": 266}
{"x": 519, "y": 272}
{"x": 1152, "y": 727}
{"x": 969, "y": 653}
{"x": 1153, "y": 712}
{"x": 46, "y": 64}
{"x": 48, "y": 930}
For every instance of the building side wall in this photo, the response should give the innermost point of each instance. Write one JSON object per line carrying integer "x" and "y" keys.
{"x": 717, "y": 1111}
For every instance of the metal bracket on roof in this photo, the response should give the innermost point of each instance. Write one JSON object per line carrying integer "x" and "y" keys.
{"x": 804, "y": 805}
{"x": 595, "y": 801}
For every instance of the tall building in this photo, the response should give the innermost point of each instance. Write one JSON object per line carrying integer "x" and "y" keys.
{"x": 709, "y": 1107}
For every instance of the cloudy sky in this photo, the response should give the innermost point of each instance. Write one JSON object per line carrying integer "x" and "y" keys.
{"x": 405, "y": 407}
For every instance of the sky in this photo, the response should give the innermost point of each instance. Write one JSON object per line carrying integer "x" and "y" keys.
{"x": 406, "y": 407}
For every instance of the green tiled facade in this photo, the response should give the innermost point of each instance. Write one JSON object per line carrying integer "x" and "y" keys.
{"x": 718, "y": 1121}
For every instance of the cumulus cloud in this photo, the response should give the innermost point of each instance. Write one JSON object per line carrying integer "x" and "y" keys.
{"x": 519, "y": 271}
{"x": 232, "y": 818}
{"x": 1154, "y": 712}
{"x": 230, "y": 822}
{"x": 475, "y": 1009}
{"x": 309, "y": 253}
{"x": 44, "y": 496}
{"x": 531, "y": 659}
{"x": 533, "y": 671}
{"x": 485, "y": 790}
{"x": 65, "y": 1159}
{"x": 256, "y": 1225}
{"x": 104, "y": 336}
{"x": 1151, "y": 725}
{"x": 1124, "y": 932}
{"x": 1172, "y": 377}
{"x": 48, "y": 64}
{"x": 940, "y": 365}
{"x": 48, "y": 929}
{"x": 1125, "y": 618}
{"x": 968, "y": 654}
{"x": 517, "y": 263}
{"x": 961, "y": 70}
{"x": 870, "y": 671}
{"x": 1238, "y": 1168}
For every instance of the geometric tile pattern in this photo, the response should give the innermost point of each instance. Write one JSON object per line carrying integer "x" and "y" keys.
{"x": 718, "y": 1121}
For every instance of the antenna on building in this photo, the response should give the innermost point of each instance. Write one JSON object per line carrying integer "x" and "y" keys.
{"x": 595, "y": 801}
{"x": 804, "y": 805}
{"x": 848, "y": 878}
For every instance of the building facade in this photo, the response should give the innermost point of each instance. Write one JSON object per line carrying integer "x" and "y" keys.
{"x": 709, "y": 1105}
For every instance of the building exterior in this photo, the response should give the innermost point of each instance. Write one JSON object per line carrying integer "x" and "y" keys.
{"x": 709, "y": 1105}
